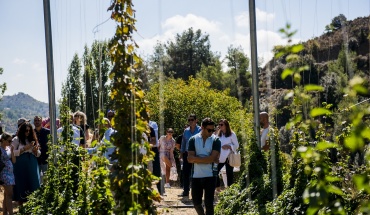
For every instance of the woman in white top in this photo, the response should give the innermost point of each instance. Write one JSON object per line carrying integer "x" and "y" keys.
{"x": 166, "y": 146}
{"x": 229, "y": 143}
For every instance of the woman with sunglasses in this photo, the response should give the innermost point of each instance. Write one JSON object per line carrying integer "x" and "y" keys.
{"x": 26, "y": 169}
{"x": 229, "y": 143}
{"x": 166, "y": 146}
{"x": 6, "y": 175}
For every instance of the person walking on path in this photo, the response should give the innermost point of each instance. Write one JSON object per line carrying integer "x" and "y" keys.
{"x": 203, "y": 152}
{"x": 166, "y": 146}
{"x": 229, "y": 143}
{"x": 7, "y": 175}
{"x": 192, "y": 130}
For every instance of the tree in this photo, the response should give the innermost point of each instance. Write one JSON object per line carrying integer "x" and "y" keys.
{"x": 72, "y": 88}
{"x": 90, "y": 88}
{"x": 102, "y": 66}
{"x": 241, "y": 80}
{"x": 336, "y": 23}
{"x": 131, "y": 181}
{"x": 2, "y": 87}
{"x": 180, "y": 98}
{"x": 214, "y": 75}
{"x": 187, "y": 54}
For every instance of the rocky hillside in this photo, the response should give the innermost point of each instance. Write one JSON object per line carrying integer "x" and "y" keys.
{"x": 349, "y": 43}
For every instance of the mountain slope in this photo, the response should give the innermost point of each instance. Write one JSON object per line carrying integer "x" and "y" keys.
{"x": 20, "y": 105}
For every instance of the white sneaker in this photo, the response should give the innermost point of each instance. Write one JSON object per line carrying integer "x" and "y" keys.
{"x": 167, "y": 185}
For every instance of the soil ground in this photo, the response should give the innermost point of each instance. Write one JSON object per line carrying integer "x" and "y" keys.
{"x": 173, "y": 204}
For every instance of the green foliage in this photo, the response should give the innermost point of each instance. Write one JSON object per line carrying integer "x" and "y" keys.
{"x": 241, "y": 79}
{"x": 73, "y": 184}
{"x": 2, "y": 87}
{"x": 336, "y": 23}
{"x": 178, "y": 99}
{"x": 72, "y": 88}
{"x": 96, "y": 86}
{"x": 131, "y": 181}
{"x": 187, "y": 53}
{"x": 214, "y": 75}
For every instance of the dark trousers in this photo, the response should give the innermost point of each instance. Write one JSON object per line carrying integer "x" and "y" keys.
{"x": 229, "y": 173}
{"x": 157, "y": 170}
{"x": 186, "y": 170}
{"x": 198, "y": 185}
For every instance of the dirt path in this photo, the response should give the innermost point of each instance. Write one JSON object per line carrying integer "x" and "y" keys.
{"x": 173, "y": 204}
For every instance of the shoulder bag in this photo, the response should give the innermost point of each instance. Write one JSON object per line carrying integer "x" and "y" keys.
{"x": 234, "y": 159}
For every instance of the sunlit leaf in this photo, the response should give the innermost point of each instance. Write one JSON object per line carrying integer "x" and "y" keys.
{"x": 297, "y": 78}
{"x": 130, "y": 49}
{"x": 303, "y": 68}
{"x": 360, "y": 89}
{"x": 279, "y": 54}
{"x": 287, "y": 72}
{"x": 334, "y": 189}
{"x": 332, "y": 178}
{"x": 313, "y": 87}
{"x": 125, "y": 29}
{"x": 354, "y": 142}
{"x": 319, "y": 112}
{"x": 325, "y": 145}
{"x": 129, "y": 11}
{"x": 365, "y": 133}
{"x": 297, "y": 48}
{"x": 361, "y": 182}
{"x": 312, "y": 210}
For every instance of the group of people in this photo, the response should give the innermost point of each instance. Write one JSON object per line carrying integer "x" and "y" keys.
{"x": 21, "y": 154}
{"x": 204, "y": 151}
{"x": 25, "y": 154}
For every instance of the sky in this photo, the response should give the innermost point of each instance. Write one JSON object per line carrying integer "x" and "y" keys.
{"x": 76, "y": 23}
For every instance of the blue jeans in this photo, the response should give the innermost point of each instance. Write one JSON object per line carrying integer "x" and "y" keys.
{"x": 208, "y": 185}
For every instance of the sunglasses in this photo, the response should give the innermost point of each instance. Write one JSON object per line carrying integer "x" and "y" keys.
{"x": 220, "y": 125}
{"x": 170, "y": 132}
{"x": 190, "y": 120}
{"x": 210, "y": 130}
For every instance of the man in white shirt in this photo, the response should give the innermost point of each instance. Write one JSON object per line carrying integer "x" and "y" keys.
{"x": 76, "y": 132}
{"x": 264, "y": 123}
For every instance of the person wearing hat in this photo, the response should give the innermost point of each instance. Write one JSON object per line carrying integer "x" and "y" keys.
{"x": 21, "y": 121}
